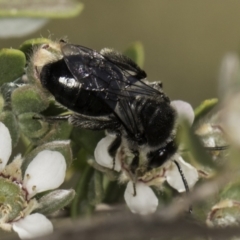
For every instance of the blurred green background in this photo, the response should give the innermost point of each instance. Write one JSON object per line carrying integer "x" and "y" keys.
{"x": 184, "y": 41}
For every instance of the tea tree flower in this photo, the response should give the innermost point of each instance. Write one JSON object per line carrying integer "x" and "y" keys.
{"x": 139, "y": 196}
{"x": 145, "y": 200}
{"x": 17, "y": 189}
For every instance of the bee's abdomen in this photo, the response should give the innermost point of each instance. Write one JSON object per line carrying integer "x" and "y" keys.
{"x": 67, "y": 90}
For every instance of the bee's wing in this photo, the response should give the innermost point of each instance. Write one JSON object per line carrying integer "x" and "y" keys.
{"x": 114, "y": 78}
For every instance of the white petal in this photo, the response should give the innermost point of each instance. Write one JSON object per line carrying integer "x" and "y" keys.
{"x": 145, "y": 201}
{"x": 184, "y": 110}
{"x": 102, "y": 156}
{"x": 174, "y": 178}
{"x": 45, "y": 172}
{"x": 5, "y": 145}
{"x": 32, "y": 226}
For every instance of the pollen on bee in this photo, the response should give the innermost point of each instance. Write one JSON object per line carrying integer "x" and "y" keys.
{"x": 43, "y": 55}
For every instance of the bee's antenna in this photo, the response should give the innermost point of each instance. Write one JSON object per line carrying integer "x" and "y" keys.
{"x": 184, "y": 180}
{"x": 182, "y": 176}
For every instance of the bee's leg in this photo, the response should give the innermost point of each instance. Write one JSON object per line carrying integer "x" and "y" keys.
{"x": 133, "y": 167}
{"x": 83, "y": 121}
{"x": 184, "y": 181}
{"x": 135, "y": 162}
{"x": 52, "y": 118}
{"x": 113, "y": 147}
{"x": 94, "y": 123}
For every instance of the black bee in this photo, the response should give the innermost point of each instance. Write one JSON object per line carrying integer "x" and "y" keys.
{"x": 106, "y": 91}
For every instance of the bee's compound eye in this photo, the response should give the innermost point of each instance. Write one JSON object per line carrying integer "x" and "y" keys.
{"x": 162, "y": 153}
{"x": 159, "y": 157}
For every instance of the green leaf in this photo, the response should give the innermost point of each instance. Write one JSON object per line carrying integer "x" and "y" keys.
{"x": 12, "y": 63}
{"x": 61, "y": 131}
{"x": 55, "y": 200}
{"x": 136, "y": 52}
{"x": 28, "y": 99}
{"x": 204, "y": 108}
{"x": 40, "y": 8}
{"x": 30, "y": 127}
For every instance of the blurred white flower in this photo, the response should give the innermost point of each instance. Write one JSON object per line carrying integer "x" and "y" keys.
{"x": 184, "y": 110}
{"x": 144, "y": 202}
{"x": 140, "y": 198}
{"x": 45, "y": 172}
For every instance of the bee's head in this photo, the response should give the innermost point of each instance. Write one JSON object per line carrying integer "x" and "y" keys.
{"x": 143, "y": 162}
{"x": 158, "y": 157}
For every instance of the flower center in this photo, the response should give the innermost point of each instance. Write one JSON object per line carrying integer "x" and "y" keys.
{"x": 12, "y": 200}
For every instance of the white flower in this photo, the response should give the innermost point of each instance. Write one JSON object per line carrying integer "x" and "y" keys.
{"x": 45, "y": 172}
{"x": 142, "y": 200}
{"x": 174, "y": 178}
{"x": 184, "y": 110}
{"x": 102, "y": 156}
{"x": 34, "y": 225}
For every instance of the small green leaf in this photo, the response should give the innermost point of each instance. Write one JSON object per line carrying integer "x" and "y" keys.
{"x": 12, "y": 63}
{"x": 29, "y": 99}
{"x": 54, "y": 201}
{"x": 30, "y": 127}
{"x": 40, "y": 8}
{"x": 204, "y": 108}
{"x": 63, "y": 132}
{"x": 136, "y": 52}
